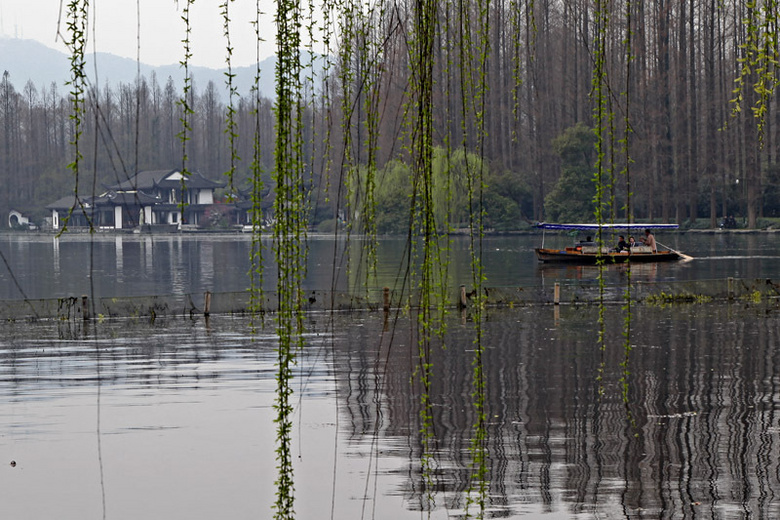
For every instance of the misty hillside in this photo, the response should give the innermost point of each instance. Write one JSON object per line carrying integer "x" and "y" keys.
{"x": 30, "y": 60}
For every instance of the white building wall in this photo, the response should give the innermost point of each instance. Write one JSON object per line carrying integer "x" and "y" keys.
{"x": 206, "y": 197}
{"x": 117, "y": 217}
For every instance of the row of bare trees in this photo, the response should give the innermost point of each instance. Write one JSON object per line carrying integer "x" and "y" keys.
{"x": 126, "y": 128}
{"x": 671, "y": 81}
{"x": 671, "y": 70}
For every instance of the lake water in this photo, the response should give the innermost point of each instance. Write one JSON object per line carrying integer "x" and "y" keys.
{"x": 127, "y": 419}
{"x": 42, "y": 266}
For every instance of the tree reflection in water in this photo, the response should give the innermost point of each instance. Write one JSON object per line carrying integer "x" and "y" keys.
{"x": 190, "y": 400}
{"x": 703, "y": 393}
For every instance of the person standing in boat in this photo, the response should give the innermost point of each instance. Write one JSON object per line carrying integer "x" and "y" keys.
{"x": 649, "y": 240}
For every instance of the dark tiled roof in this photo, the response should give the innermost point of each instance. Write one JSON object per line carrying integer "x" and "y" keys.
{"x": 70, "y": 201}
{"x": 150, "y": 179}
{"x": 63, "y": 203}
{"x": 130, "y": 198}
{"x": 142, "y": 180}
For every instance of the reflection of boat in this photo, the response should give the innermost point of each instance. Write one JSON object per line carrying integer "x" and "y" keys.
{"x": 647, "y": 271}
{"x": 591, "y": 254}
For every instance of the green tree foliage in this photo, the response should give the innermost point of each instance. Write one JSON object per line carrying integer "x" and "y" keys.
{"x": 506, "y": 194}
{"x": 392, "y": 199}
{"x": 508, "y": 200}
{"x": 571, "y": 200}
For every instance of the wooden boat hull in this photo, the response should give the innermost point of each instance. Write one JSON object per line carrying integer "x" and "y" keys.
{"x": 575, "y": 256}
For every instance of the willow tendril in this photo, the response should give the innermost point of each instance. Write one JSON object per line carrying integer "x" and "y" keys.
{"x": 758, "y": 63}
{"x": 289, "y": 236}
{"x": 186, "y": 104}
{"x": 349, "y": 30}
{"x": 422, "y": 221}
{"x": 600, "y": 116}
{"x": 477, "y": 91}
{"x": 78, "y": 17}
{"x": 256, "y": 303}
{"x": 371, "y": 106}
{"x": 625, "y": 366}
{"x": 230, "y": 117}
{"x": 328, "y": 8}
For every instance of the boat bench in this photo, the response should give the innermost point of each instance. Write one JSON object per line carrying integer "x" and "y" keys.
{"x": 592, "y": 250}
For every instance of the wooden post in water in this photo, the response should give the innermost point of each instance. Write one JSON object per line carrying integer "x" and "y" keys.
{"x": 386, "y": 308}
{"x": 557, "y": 294}
{"x": 207, "y": 303}
{"x": 462, "y": 303}
{"x": 731, "y": 288}
{"x": 85, "y": 307}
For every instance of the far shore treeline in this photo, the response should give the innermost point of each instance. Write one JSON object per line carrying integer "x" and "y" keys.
{"x": 695, "y": 156}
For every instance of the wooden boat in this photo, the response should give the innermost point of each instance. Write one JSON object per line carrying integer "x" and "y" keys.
{"x": 591, "y": 254}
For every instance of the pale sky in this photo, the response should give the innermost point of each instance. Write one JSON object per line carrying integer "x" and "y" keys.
{"x": 161, "y": 28}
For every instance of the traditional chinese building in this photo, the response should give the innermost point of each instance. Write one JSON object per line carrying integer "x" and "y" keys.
{"x": 155, "y": 198}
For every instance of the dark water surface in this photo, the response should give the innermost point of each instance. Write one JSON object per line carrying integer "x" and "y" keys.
{"x": 127, "y": 419}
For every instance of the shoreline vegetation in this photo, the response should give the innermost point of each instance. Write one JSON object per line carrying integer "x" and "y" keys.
{"x": 743, "y": 291}
{"x": 523, "y": 228}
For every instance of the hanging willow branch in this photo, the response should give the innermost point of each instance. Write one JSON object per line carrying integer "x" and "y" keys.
{"x": 186, "y": 104}
{"x": 475, "y": 49}
{"x": 624, "y": 380}
{"x": 759, "y": 61}
{"x": 359, "y": 55}
{"x": 256, "y": 300}
{"x": 371, "y": 103}
{"x": 348, "y": 22}
{"x": 600, "y": 116}
{"x": 77, "y": 21}
{"x": 289, "y": 235}
{"x": 422, "y": 216}
{"x": 230, "y": 119}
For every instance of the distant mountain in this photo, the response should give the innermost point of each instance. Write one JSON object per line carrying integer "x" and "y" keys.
{"x": 30, "y": 60}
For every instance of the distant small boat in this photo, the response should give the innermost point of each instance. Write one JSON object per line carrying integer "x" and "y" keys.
{"x": 591, "y": 254}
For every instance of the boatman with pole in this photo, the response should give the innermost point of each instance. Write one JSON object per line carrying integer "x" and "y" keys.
{"x": 649, "y": 240}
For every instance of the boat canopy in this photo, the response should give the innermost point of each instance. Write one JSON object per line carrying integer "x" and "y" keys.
{"x": 595, "y": 227}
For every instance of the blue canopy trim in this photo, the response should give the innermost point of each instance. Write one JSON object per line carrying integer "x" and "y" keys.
{"x": 595, "y": 227}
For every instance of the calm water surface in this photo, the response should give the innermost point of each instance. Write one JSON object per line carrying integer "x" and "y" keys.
{"x": 175, "y": 419}
{"x": 42, "y": 266}
{"x": 126, "y": 419}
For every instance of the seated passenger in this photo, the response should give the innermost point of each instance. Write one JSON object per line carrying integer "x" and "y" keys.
{"x": 587, "y": 242}
{"x": 622, "y": 245}
{"x": 632, "y": 242}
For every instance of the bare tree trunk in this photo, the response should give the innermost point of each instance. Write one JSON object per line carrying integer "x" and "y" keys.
{"x": 710, "y": 149}
{"x": 693, "y": 121}
{"x": 666, "y": 166}
{"x": 681, "y": 143}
